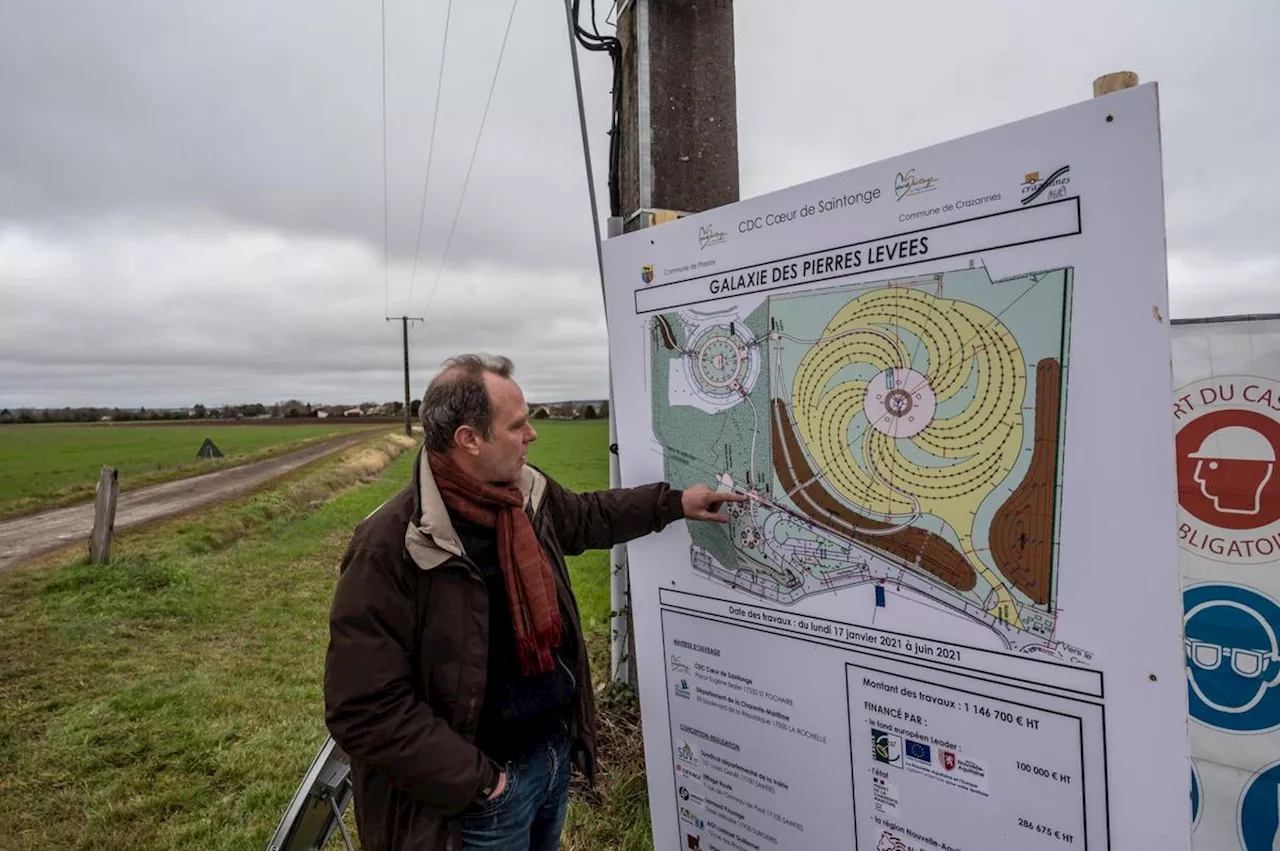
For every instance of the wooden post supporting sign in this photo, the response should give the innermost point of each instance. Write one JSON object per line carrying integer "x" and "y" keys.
{"x": 1114, "y": 82}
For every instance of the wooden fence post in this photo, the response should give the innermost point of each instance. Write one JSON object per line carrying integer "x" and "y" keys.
{"x": 1114, "y": 82}
{"x": 104, "y": 515}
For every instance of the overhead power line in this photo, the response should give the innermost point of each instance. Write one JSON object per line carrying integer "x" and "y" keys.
{"x": 386, "y": 268}
{"x": 453, "y": 227}
{"x": 431, "y": 149}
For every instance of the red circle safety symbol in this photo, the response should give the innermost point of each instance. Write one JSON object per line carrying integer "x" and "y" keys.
{"x": 1228, "y": 474}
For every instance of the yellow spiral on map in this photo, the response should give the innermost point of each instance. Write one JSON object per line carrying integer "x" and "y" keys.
{"x": 911, "y": 404}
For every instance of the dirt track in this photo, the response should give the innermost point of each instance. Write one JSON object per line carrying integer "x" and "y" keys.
{"x": 25, "y": 537}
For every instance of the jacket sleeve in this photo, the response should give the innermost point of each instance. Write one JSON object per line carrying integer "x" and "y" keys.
{"x": 371, "y": 708}
{"x": 598, "y": 520}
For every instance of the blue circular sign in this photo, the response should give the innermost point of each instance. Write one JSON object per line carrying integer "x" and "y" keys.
{"x": 1260, "y": 810}
{"x": 1195, "y": 796}
{"x": 1232, "y": 643}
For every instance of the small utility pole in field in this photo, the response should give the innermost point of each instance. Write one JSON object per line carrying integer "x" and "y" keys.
{"x": 408, "y": 404}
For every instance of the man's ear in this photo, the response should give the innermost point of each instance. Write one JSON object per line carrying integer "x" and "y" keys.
{"x": 467, "y": 439}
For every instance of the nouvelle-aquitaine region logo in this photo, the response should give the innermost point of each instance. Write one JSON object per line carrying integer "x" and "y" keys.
{"x": 1228, "y": 446}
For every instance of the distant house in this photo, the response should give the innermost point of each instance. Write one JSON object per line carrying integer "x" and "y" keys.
{"x": 353, "y": 412}
{"x": 323, "y": 415}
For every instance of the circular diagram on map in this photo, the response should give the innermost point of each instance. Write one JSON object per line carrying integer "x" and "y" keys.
{"x": 722, "y": 361}
{"x": 899, "y": 402}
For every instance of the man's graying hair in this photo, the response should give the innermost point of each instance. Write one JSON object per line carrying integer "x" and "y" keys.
{"x": 458, "y": 397}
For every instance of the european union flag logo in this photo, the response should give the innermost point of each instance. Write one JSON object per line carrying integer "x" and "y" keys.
{"x": 919, "y": 750}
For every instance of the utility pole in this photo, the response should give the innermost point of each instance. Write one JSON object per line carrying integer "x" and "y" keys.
{"x": 679, "y": 155}
{"x": 679, "y": 109}
{"x": 408, "y": 407}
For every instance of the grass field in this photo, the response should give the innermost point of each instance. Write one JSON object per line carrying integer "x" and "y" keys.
{"x": 45, "y": 466}
{"x": 172, "y": 700}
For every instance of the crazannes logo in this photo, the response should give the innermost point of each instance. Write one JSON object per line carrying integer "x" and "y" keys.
{"x": 646, "y": 274}
{"x": 709, "y": 236}
{"x": 910, "y": 183}
{"x": 1052, "y": 187}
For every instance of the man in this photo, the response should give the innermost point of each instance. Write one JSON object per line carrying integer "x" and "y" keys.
{"x": 456, "y": 678}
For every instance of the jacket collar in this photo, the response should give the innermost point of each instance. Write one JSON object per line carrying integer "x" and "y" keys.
{"x": 430, "y": 537}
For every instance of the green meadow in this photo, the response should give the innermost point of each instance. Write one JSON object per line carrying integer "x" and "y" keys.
{"x": 172, "y": 699}
{"x": 44, "y": 466}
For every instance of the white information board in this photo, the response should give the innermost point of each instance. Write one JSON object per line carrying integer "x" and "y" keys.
{"x": 949, "y": 615}
{"x": 1226, "y": 413}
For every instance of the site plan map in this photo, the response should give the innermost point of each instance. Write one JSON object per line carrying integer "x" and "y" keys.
{"x": 905, "y": 432}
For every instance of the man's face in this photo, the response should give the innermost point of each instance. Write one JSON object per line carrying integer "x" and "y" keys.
{"x": 500, "y": 458}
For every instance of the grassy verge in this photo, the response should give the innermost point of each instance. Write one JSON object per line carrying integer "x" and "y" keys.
{"x": 49, "y": 466}
{"x": 172, "y": 699}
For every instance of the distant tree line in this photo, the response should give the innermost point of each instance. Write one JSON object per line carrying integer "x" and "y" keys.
{"x": 570, "y": 410}
{"x": 290, "y": 409}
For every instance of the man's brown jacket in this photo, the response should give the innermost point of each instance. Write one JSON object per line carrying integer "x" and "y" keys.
{"x": 404, "y": 678}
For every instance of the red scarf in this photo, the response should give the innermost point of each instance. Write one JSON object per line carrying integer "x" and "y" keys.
{"x": 531, "y": 589}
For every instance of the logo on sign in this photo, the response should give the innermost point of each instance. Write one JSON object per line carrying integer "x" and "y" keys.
{"x": 886, "y": 747}
{"x": 646, "y": 274}
{"x": 948, "y": 759}
{"x": 918, "y": 751}
{"x": 682, "y": 688}
{"x": 1228, "y": 447}
{"x": 1055, "y": 185}
{"x": 910, "y": 183}
{"x": 890, "y": 842}
{"x": 709, "y": 236}
{"x": 1258, "y": 820}
{"x": 1233, "y": 657}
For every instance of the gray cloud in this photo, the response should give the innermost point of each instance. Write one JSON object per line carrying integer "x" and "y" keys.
{"x": 191, "y": 194}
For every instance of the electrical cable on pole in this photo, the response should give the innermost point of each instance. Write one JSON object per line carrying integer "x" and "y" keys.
{"x": 619, "y": 598}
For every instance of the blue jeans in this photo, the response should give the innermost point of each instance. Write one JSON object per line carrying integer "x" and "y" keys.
{"x": 529, "y": 814}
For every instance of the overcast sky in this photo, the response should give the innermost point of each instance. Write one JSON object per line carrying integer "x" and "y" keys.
{"x": 191, "y": 193}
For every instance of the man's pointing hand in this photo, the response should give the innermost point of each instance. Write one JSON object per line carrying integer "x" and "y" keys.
{"x": 701, "y": 502}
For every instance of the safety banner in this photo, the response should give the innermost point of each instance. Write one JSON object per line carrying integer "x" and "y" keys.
{"x": 1226, "y": 412}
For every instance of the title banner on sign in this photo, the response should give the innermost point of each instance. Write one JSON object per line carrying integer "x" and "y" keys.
{"x": 1007, "y": 229}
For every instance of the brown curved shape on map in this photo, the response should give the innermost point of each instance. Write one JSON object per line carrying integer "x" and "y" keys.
{"x": 668, "y": 336}
{"x": 913, "y": 545}
{"x": 1022, "y": 530}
